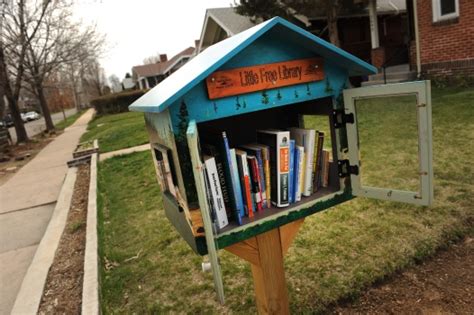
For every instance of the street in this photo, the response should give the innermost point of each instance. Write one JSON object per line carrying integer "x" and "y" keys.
{"x": 36, "y": 126}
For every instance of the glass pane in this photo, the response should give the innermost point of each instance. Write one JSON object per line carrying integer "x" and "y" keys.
{"x": 447, "y": 7}
{"x": 319, "y": 123}
{"x": 388, "y": 142}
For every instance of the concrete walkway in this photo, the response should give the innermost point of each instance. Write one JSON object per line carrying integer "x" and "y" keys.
{"x": 138, "y": 148}
{"x": 26, "y": 204}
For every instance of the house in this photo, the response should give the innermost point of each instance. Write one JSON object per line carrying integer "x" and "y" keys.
{"x": 220, "y": 23}
{"x": 354, "y": 29}
{"x": 442, "y": 28}
{"x": 147, "y": 76}
{"x": 444, "y": 45}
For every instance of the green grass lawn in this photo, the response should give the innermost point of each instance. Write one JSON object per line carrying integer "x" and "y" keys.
{"x": 117, "y": 131}
{"x": 63, "y": 124}
{"x": 147, "y": 268}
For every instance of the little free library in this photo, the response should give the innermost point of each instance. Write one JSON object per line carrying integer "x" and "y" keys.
{"x": 237, "y": 168}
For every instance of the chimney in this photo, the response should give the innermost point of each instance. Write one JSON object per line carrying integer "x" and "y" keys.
{"x": 163, "y": 58}
{"x": 196, "y": 43}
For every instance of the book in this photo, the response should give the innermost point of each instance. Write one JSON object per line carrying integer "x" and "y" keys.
{"x": 298, "y": 169}
{"x": 325, "y": 168}
{"x": 266, "y": 171}
{"x": 244, "y": 175}
{"x": 306, "y": 139}
{"x": 256, "y": 151}
{"x": 318, "y": 151}
{"x": 235, "y": 192}
{"x": 214, "y": 187}
{"x": 302, "y": 169}
{"x": 211, "y": 150}
{"x": 255, "y": 182}
{"x": 237, "y": 185}
{"x": 279, "y": 143}
{"x": 291, "y": 183}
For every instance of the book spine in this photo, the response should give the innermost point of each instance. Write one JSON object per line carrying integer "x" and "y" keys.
{"x": 317, "y": 162}
{"x": 283, "y": 166}
{"x": 291, "y": 184}
{"x": 245, "y": 182}
{"x": 255, "y": 183}
{"x": 216, "y": 192}
{"x": 309, "y": 153}
{"x": 301, "y": 178}
{"x": 225, "y": 190}
{"x": 296, "y": 170}
{"x": 325, "y": 168}
{"x": 268, "y": 184}
{"x": 237, "y": 186}
{"x": 236, "y": 202}
{"x": 262, "y": 179}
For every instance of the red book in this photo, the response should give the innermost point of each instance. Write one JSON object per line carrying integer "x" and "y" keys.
{"x": 255, "y": 178}
{"x": 244, "y": 174}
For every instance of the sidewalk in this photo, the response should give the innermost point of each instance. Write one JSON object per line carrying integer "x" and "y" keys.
{"x": 26, "y": 204}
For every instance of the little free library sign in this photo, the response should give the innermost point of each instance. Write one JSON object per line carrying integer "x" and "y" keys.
{"x": 262, "y": 77}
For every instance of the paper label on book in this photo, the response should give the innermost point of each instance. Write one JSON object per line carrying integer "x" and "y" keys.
{"x": 284, "y": 160}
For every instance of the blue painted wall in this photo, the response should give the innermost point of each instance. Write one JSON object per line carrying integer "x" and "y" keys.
{"x": 267, "y": 49}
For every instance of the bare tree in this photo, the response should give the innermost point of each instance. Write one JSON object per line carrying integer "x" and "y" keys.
{"x": 59, "y": 42}
{"x": 152, "y": 59}
{"x": 19, "y": 24}
{"x": 115, "y": 83}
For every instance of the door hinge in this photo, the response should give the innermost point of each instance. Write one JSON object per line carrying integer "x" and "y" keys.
{"x": 340, "y": 118}
{"x": 345, "y": 169}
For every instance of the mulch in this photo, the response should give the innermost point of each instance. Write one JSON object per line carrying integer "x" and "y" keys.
{"x": 443, "y": 284}
{"x": 63, "y": 289}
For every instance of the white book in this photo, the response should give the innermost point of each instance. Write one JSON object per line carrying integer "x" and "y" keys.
{"x": 306, "y": 138}
{"x": 216, "y": 192}
{"x": 300, "y": 175}
{"x": 279, "y": 143}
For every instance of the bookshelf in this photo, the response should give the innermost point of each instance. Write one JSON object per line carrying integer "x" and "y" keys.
{"x": 268, "y": 77}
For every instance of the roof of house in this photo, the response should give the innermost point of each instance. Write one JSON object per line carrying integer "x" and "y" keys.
{"x": 228, "y": 19}
{"x": 155, "y": 69}
{"x": 198, "y": 68}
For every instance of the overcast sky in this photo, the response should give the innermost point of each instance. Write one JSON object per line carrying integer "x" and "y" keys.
{"x": 136, "y": 29}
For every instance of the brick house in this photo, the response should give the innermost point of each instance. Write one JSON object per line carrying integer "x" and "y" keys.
{"x": 446, "y": 38}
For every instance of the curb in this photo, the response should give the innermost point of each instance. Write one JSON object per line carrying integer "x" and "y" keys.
{"x": 90, "y": 287}
{"x": 31, "y": 290}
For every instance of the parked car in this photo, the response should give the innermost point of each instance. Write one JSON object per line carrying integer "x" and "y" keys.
{"x": 23, "y": 117}
{"x": 32, "y": 116}
{"x": 7, "y": 121}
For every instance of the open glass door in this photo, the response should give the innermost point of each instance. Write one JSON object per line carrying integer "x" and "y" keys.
{"x": 390, "y": 148}
{"x": 198, "y": 170}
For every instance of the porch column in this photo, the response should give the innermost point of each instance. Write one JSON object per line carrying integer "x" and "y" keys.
{"x": 378, "y": 53}
{"x": 374, "y": 26}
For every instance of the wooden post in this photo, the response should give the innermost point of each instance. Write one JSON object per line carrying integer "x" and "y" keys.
{"x": 265, "y": 254}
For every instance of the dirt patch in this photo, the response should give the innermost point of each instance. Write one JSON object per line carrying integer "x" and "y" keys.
{"x": 19, "y": 155}
{"x": 63, "y": 289}
{"x": 441, "y": 285}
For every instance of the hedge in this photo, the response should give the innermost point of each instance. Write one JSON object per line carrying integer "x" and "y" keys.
{"x": 116, "y": 102}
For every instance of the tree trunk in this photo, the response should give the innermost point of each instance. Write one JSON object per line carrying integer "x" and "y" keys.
{"x": 2, "y": 101}
{"x": 21, "y": 135}
{"x": 44, "y": 106}
{"x": 332, "y": 8}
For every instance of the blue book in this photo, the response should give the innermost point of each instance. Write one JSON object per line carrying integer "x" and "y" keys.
{"x": 235, "y": 169}
{"x": 291, "y": 183}
{"x": 296, "y": 172}
{"x": 233, "y": 179}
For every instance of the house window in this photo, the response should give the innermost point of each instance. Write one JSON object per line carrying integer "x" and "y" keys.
{"x": 445, "y": 9}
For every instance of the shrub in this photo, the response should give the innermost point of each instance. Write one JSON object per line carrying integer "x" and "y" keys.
{"x": 116, "y": 102}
